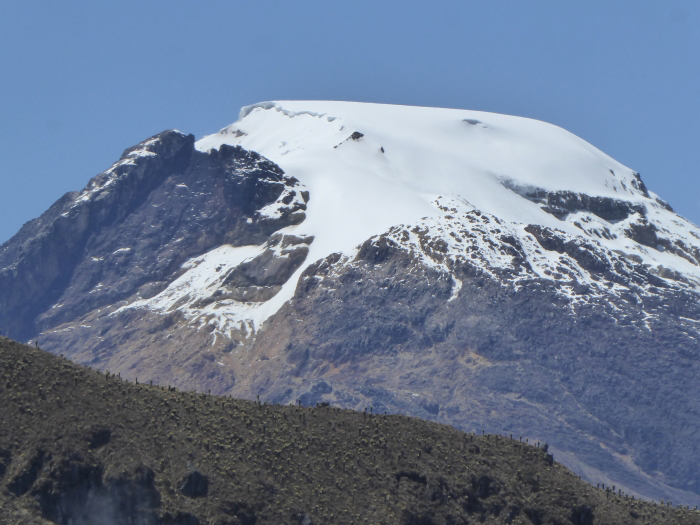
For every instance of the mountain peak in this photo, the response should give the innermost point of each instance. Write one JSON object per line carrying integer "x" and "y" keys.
{"x": 481, "y": 270}
{"x": 371, "y": 167}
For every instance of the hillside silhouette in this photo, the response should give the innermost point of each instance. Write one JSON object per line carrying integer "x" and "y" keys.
{"x": 81, "y": 447}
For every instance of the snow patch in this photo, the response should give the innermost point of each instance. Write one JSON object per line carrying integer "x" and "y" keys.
{"x": 202, "y": 280}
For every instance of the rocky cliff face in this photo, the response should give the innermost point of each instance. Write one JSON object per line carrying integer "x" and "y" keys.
{"x": 211, "y": 267}
{"x": 130, "y": 231}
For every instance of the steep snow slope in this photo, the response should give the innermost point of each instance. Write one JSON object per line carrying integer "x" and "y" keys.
{"x": 371, "y": 167}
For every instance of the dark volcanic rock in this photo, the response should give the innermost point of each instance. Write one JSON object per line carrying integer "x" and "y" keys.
{"x": 195, "y": 485}
{"x": 241, "y": 511}
{"x": 23, "y": 481}
{"x": 42, "y": 258}
{"x": 100, "y": 437}
{"x": 562, "y": 203}
{"x": 582, "y": 515}
{"x": 268, "y": 268}
{"x": 132, "y": 228}
{"x": 76, "y": 493}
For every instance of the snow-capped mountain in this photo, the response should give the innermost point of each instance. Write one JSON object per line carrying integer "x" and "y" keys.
{"x": 483, "y": 270}
{"x": 372, "y": 169}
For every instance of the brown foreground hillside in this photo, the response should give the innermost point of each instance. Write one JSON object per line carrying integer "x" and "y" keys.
{"x": 80, "y": 447}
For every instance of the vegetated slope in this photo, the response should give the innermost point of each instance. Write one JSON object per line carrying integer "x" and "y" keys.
{"x": 80, "y": 447}
{"x": 481, "y": 270}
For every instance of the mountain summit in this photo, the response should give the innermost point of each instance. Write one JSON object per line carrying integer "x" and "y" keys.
{"x": 371, "y": 168}
{"x": 487, "y": 271}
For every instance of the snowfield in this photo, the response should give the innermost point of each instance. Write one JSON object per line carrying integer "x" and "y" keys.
{"x": 371, "y": 169}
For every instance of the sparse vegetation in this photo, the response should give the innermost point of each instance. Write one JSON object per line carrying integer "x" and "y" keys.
{"x": 78, "y": 446}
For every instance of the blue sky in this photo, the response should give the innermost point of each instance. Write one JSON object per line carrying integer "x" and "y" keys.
{"x": 82, "y": 81}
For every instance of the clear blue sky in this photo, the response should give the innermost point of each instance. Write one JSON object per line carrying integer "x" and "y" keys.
{"x": 82, "y": 81}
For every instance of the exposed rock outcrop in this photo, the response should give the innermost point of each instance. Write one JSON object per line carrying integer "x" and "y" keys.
{"x": 129, "y": 232}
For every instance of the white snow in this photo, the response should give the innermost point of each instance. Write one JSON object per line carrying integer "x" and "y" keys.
{"x": 358, "y": 191}
{"x": 416, "y": 166}
{"x": 202, "y": 278}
